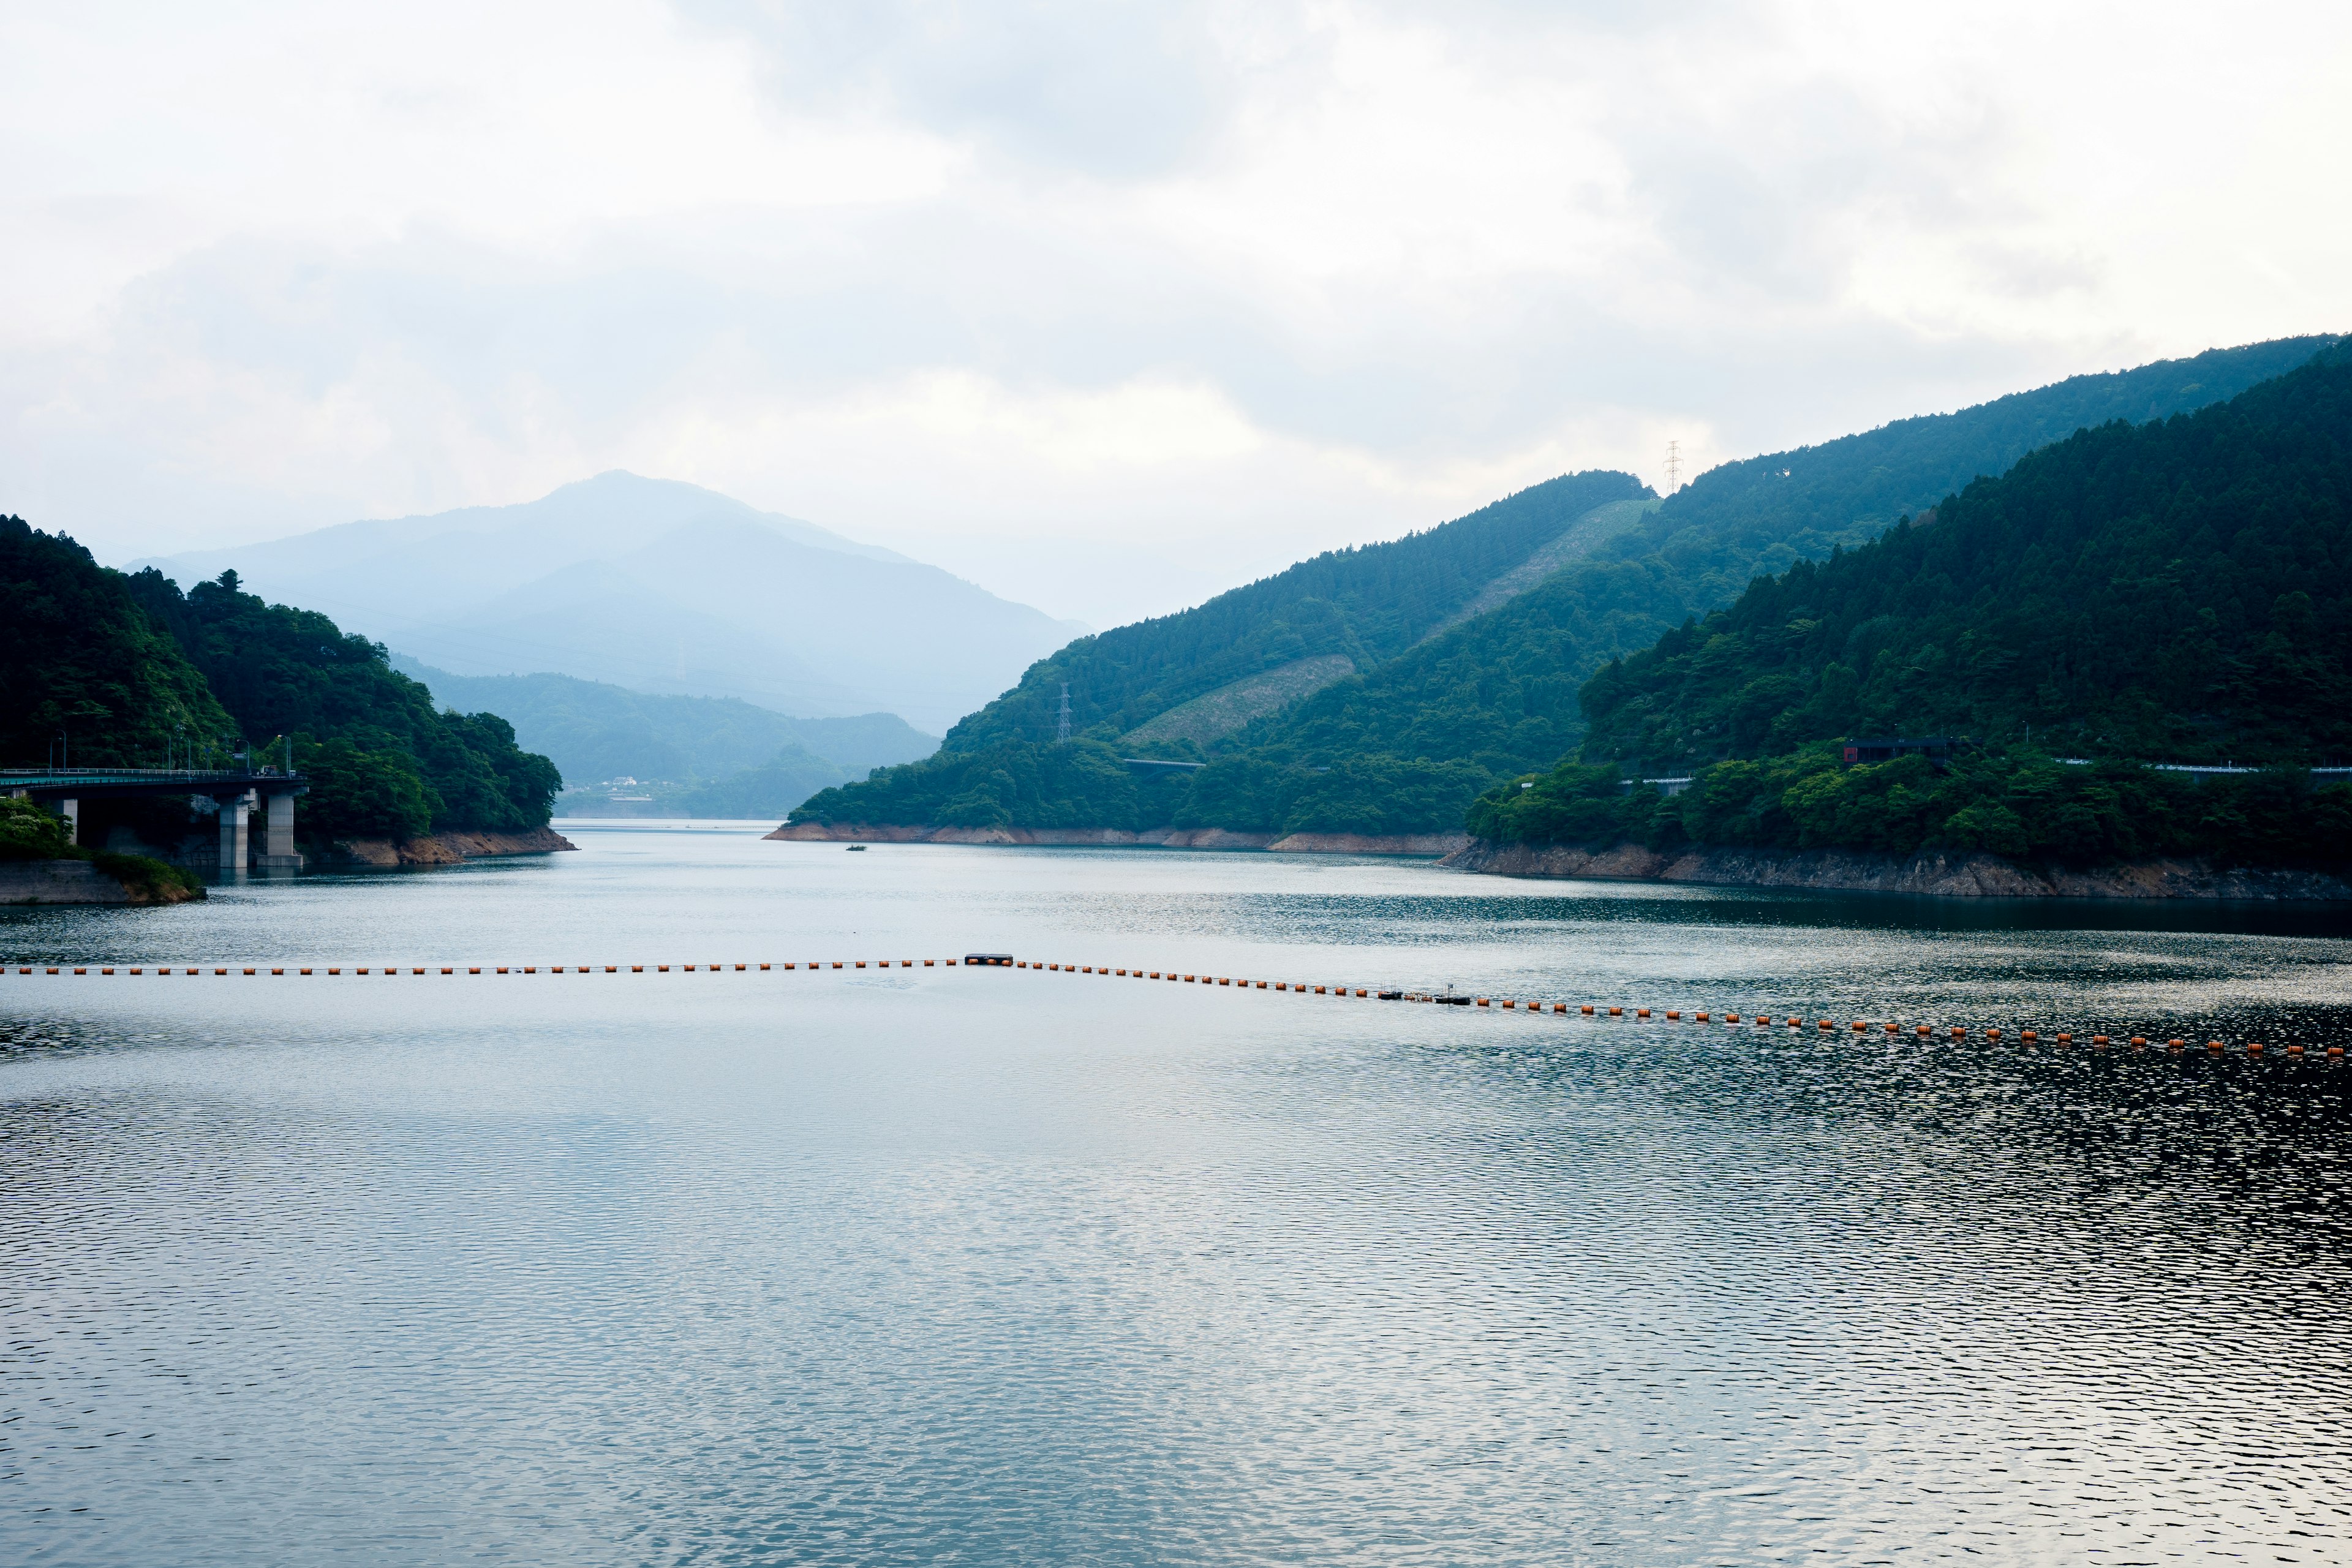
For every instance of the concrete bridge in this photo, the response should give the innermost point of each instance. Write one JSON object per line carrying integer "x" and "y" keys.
{"x": 238, "y": 792}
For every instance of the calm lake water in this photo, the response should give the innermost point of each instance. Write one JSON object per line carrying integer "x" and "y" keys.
{"x": 953, "y": 1266}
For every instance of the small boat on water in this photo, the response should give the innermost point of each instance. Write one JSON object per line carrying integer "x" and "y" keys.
{"x": 856, "y": 847}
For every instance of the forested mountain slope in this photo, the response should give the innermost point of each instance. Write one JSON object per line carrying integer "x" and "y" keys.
{"x": 79, "y": 660}
{"x": 1206, "y": 671}
{"x": 384, "y": 761}
{"x": 1403, "y": 745}
{"x": 135, "y": 674}
{"x": 2178, "y": 591}
{"x": 1498, "y": 697}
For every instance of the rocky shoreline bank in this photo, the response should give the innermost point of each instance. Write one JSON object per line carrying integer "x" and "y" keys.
{"x": 1943, "y": 875}
{"x": 446, "y": 848}
{"x": 1421, "y": 843}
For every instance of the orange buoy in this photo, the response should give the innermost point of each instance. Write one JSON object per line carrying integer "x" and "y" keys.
{"x": 2028, "y": 1036}
{"x": 1616, "y": 1012}
{"x": 1859, "y": 1026}
{"x": 1641, "y": 1012}
{"x": 2215, "y": 1046}
{"x": 2254, "y": 1045}
{"x": 1922, "y": 1029}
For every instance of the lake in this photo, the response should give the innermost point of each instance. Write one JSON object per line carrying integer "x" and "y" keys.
{"x": 945, "y": 1265}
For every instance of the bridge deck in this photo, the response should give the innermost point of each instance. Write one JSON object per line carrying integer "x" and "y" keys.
{"x": 97, "y": 784}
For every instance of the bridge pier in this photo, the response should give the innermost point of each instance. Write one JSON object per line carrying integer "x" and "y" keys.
{"x": 71, "y": 811}
{"x": 278, "y": 851}
{"x": 233, "y": 830}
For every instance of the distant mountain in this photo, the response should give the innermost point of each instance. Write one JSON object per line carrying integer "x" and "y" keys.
{"x": 596, "y": 731}
{"x": 1413, "y": 726}
{"x": 660, "y": 586}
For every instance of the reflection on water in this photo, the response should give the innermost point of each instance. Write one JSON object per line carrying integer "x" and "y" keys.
{"x": 1010, "y": 1265}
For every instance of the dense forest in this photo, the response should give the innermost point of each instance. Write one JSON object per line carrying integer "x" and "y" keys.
{"x": 1429, "y": 721}
{"x": 2175, "y": 592}
{"x": 383, "y": 761}
{"x": 2171, "y": 592}
{"x": 121, "y": 671}
{"x": 82, "y": 668}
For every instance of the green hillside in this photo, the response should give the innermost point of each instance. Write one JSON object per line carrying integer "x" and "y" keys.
{"x": 78, "y": 660}
{"x": 1433, "y": 712}
{"x": 1223, "y": 663}
{"x": 383, "y": 761}
{"x": 2178, "y": 590}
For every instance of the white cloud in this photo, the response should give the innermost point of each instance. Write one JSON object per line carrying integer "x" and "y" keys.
{"x": 1105, "y": 305}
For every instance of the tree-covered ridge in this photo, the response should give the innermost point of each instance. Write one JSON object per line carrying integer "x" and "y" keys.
{"x": 1764, "y": 514}
{"x": 78, "y": 658}
{"x": 2175, "y": 591}
{"x": 1405, "y": 745}
{"x": 383, "y": 761}
{"x": 1501, "y": 693}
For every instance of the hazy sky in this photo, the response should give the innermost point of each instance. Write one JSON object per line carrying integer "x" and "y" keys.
{"x": 1103, "y": 306}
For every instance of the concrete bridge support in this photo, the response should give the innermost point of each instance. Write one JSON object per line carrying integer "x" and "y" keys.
{"x": 278, "y": 851}
{"x": 233, "y": 831}
{"x": 71, "y": 811}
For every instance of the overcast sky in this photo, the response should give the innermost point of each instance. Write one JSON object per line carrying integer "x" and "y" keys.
{"x": 1104, "y": 306}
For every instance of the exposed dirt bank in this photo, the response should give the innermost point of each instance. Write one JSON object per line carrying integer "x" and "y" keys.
{"x": 1970, "y": 876}
{"x": 79, "y": 882}
{"x": 448, "y": 848}
{"x": 1157, "y": 837}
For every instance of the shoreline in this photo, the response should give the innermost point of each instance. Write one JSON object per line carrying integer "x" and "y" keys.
{"x": 445, "y": 848}
{"x": 1965, "y": 875}
{"x": 1428, "y": 846}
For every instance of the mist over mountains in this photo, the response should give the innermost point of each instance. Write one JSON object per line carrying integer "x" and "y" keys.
{"x": 660, "y": 586}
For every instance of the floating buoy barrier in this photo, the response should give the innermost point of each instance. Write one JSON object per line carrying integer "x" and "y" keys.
{"x": 1860, "y": 1028}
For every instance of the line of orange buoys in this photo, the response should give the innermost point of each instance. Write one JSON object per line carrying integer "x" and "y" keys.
{"x": 1586, "y": 1009}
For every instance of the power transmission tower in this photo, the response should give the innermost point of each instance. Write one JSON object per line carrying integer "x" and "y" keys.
{"x": 1673, "y": 466}
{"x": 1064, "y": 734}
